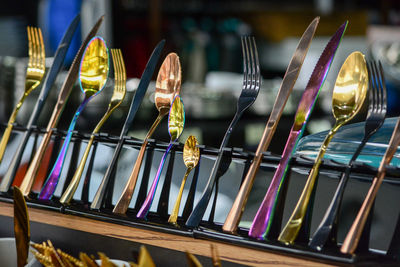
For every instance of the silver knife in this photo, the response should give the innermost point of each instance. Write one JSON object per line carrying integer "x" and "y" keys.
{"x": 140, "y": 92}
{"x": 48, "y": 83}
{"x": 292, "y": 72}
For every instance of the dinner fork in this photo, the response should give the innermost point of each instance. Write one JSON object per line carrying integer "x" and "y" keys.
{"x": 375, "y": 117}
{"x": 34, "y": 75}
{"x": 116, "y": 100}
{"x": 250, "y": 89}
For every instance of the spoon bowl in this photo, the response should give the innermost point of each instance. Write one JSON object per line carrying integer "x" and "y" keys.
{"x": 191, "y": 156}
{"x": 348, "y": 96}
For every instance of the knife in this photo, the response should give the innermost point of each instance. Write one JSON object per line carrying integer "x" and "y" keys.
{"x": 292, "y": 72}
{"x": 350, "y": 243}
{"x": 22, "y": 231}
{"x": 63, "y": 95}
{"x": 140, "y": 92}
{"x": 264, "y": 217}
{"x": 48, "y": 83}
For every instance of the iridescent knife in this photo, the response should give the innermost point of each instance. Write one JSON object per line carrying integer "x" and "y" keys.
{"x": 48, "y": 83}
{"x": 292, "y": 72}
{"x": 264, "y": 217}
{"x": 140, "y": 92}
{"x": 63, "y": 95}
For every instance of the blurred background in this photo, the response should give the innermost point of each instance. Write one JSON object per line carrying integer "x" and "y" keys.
{"x": 206, "y": 36}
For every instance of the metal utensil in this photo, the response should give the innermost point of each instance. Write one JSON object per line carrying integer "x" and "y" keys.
{"x": 47, "y": 84}
{"x": 116, "y": 100}
{"x": 350, "y": 243}
{"x": 375, "y": 118}
{"x": 140, "y": 92}
{"x": 347, "y": 98}
{"x": 34, "y": 75}
{"x": 264, "y": 217}
{"x": 176, "y": 123}
{"x": 250, "y": 89}
{"x": 191, "y": 156}
{"x": 93, "y": 77}
{"x": 22, "y": 231}
{"x": 168, "y": 85}
{"x": 63, "y": 95}
{"x": 292, "y": 72}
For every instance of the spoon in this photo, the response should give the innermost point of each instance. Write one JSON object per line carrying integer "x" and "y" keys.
{"x": 348, "y": 96}
{"x": 93, "y": 77}
{"x": 191, "y": 156}
{"x": 176, "y": 122}
{"x": 168, "y": 85}
{"x": 116, "y": 100}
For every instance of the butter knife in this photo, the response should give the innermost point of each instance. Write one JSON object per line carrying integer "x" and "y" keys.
{"x": 292, "y": 72}
{"x": 63, "y": 95}
{"x": 350, "y": 243}
{"x": 264, "y": 217}
{"x": 22, "y": 231}
{"x": 48, "y": 83}
{"x": 140, "y": 92}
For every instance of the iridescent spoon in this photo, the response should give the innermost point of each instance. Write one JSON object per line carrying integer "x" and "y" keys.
{"x": 191, "y": 156}
{"x": 348, "y": 96}
{"x": 93, "y": 77}
{"x": 167, "y": 86}
{"x": 176, "y": 123}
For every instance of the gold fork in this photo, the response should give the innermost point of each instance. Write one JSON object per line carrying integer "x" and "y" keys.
{"x": 116, "y": 100}
{"x": 34, "y": 75}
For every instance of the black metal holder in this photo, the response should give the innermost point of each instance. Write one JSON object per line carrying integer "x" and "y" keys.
{"x": 210, "y": 229}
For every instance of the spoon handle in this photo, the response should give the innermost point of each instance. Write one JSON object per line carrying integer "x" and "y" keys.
{"x": 73, "y": 185}
{"x": 201, "y": 206}
{"x": 292, "y": 228}
{"x": 174, "y": 214}
{"x": 150, "y": 196}
{"x": 52, "y": 180}
{"x": 125, "y": 199}
{"x": 323, "y": 231}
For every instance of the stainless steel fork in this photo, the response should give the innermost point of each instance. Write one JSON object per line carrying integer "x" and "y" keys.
{"x": 376, "y": 116}
{"x": 250, "y": 89}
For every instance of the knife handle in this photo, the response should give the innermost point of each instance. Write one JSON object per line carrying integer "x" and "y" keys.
{"x": 235, "y": 214}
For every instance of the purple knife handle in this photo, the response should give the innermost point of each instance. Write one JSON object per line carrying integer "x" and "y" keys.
{"x": 150, "y": 196}
{"x": 263, "y": 219}
{"x": 51, "y": 183}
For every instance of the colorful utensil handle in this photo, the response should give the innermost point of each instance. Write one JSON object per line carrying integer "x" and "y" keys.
{"x": 52, "y": 180}
{"x": 150, "y": 196}
{"x": 263, "y": 219}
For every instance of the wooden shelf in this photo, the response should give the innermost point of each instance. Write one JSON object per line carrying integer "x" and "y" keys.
{"x": 200, "y": 247}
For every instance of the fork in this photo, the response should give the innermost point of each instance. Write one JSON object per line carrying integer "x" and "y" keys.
{"x": 34, "y": 75}
{"x": 375, "y": 117}
{"x": 250, "y": 89}
{"x": 116, "y": 100}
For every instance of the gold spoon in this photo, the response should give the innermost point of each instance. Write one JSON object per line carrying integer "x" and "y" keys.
{"x": 93, "y": 77}
{"x": 191, "y": 156}
{"x": 116, "y": 100}
{"x": 348, "y": 96}
{"x": 168, "y": 85}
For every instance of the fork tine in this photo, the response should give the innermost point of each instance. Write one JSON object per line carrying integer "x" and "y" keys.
{"x": 30, "y": 45}
{"x": 118, "y": 55}
{"x": 252, "y": 63}
{"x": 249, "y": 68}
{"x": 371, "y": 90}
{"x": 115, "y": 65}
{"x": 378, "y": 88}
{"x": 244, "y": 55}
{"x": 123, "y": 66}
{"x": 258, "y": 72}
{"x": 384, "y": 93}
{"x": 36, "y": 51}
{"x": 42, "y": 53}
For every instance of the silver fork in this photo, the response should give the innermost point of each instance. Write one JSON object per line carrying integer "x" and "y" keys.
{"x": 376, "y": 116}
{"x": 250, "y": 89}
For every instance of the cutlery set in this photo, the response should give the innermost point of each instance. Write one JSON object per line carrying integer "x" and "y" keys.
{"x": 91, "y": 64}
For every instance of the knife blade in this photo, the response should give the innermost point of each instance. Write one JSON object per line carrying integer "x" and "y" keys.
{"x": 63, "y": 95}
{"x": 264, "y": 217}
{"x": 140, "y": 92}
{"x": 48, "y": 83}
{"x": 22, "y": 231}
{"x": 289, "y": 79}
